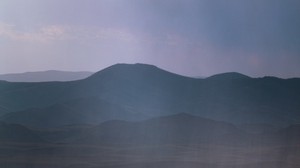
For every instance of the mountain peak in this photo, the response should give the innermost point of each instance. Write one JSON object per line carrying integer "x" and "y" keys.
{"x": 229, "y": 75}
{"x": 134, "y": 66}
{"x": 137, "y": 69}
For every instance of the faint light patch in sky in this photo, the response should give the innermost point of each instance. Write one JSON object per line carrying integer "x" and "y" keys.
{"x": 59, "y": 32}
{"x": 44, "y": 34}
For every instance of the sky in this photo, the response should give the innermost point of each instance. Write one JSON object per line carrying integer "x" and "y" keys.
{"x": 189, "y": 37}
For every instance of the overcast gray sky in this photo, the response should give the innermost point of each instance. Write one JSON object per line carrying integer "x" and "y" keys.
{"x": 189, "y": 37}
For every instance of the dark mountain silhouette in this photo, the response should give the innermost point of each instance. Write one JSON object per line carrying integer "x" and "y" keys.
{"x": 44, "y": 76}
{"x": 147, "y": 91}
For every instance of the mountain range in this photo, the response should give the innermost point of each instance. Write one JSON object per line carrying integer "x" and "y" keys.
{"x": 137, "y": 115}
{"x": 140, "y": 91}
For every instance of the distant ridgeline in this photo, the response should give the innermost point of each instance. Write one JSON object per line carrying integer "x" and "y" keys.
{"x": 45, "y": 76}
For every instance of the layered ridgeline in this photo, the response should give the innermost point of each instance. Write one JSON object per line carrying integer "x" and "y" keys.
{"x": 139, "y": 91}
{"x": 141, "y": 116}
{"x": 177, "y": 129}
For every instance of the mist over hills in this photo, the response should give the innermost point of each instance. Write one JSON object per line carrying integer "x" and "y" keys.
{"x": 90, "y": 110}
{"x": 180, "y": 128}
{"x": 141, "y": 116}
{"x": 45, "y": 76}
{"x": 177, "y": 129}
{"x": 142, "y": 91}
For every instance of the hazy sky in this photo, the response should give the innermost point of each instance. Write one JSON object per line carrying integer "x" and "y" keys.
{"x": 189, "y": 37}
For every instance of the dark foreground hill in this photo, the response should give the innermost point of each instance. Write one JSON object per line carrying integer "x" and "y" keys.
{"x": 142, "y": 91}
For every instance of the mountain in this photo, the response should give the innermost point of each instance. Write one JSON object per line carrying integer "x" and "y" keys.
{"x": 45, "y": 76}
{"x": 146, "y": 91}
